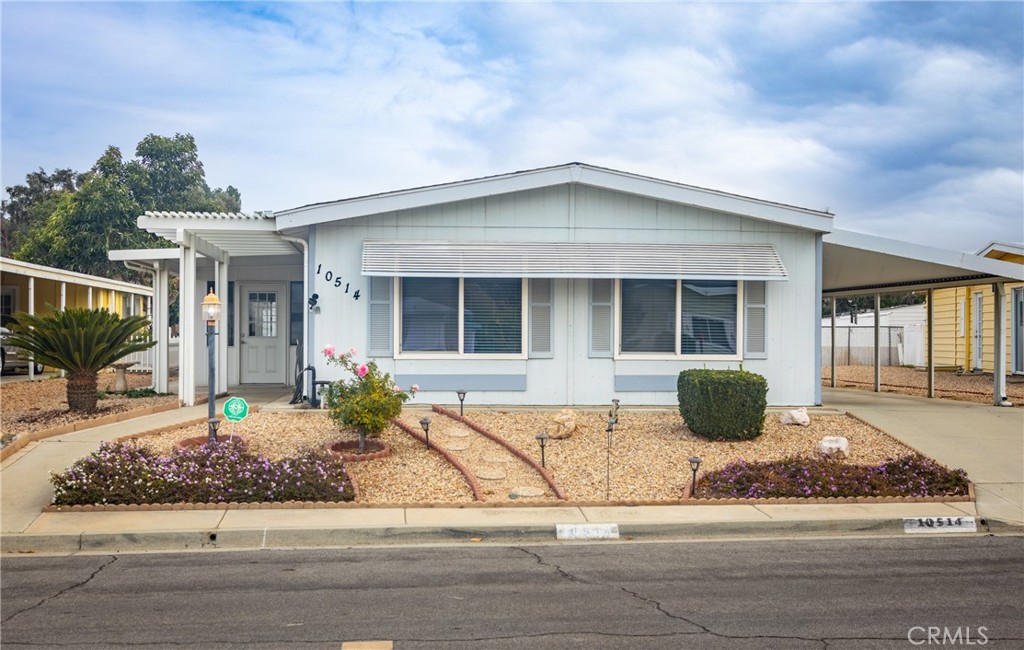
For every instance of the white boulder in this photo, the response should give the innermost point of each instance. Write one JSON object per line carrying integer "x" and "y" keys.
{"x": 834, "y": 446}
{"x": 796, "y": 416}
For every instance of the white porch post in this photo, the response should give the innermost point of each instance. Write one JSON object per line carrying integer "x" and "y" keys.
{"x": 878, "y": 345}
{"x": 187, "y": 323}
{"x": 221, "y": 279}
{"x": 32, "y": 311}
{"x": 833, "y": 353}
{"x": 63, "y": 306}
{"x": 930, "y": 325}
{"x": 161, "y": 331}
{"x": 88, "y": 301}
{"x": 999, "y": 345}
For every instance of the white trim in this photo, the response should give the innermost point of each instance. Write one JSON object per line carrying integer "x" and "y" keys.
{"x": 571, "y": 174}
{"x": 18, "y": 267}
{"x": 613, "y": 260}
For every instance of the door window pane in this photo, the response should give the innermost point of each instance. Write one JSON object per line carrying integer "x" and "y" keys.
{"x": 430, "y": 314}
{"x": 709, "y": 317}
{"x": 649, "y": 316}
{"x": 493, "y": 316}
{"x": 263, "y": 313}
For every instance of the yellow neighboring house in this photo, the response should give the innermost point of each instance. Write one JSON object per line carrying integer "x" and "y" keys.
{"x": 964, "y": 324}
{"x": 30, "y": 287}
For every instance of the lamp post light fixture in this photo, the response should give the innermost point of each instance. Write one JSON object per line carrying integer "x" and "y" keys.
{"x": 462, "y": 398}
{"x": 211, "y": 314}
{"x": 613, "y": 419}
{"x": 542, "y": 438}
{"x": 694, "y": 465}
{"x": 425, "y": 423}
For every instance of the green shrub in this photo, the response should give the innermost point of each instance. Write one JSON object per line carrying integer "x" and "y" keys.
{"x": 723, "y": 404}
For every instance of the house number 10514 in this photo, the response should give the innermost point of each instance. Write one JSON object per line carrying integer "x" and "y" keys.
{"x": 330, "y": 277}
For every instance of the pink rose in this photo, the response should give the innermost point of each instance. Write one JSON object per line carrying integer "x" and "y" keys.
{"x": 396, "y": 389}
{"x": 362, "y": 370}
{"x": 415, "y": 388}
{"x": 351, "y": 352}
{"x": 328, "y": 350}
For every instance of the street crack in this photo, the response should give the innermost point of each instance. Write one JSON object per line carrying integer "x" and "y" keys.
{"x": 111, "y": 560}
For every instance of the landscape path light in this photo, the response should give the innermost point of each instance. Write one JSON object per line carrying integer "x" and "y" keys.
{"x": 462, "y": 398}
{"x": 425, "y": 423}
{"x": 211, "y": 314}
{"x": 542, "y": 438}
{"x": 694, "y": 465}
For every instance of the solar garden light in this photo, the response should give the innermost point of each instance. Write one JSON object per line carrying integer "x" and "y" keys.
{"x": 542, "y": 438}
{"x": 462, "y": 398}
{"x": 211, "y": 314}
{"x": 694, "y": 465}
{"x": 425, "y": 423}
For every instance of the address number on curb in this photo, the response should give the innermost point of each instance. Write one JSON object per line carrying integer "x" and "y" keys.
{"x": 939, "y": 525}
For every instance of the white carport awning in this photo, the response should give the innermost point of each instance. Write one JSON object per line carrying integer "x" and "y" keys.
{"x": 854, "y": 263}
{"x": 572, "y": 260}
{"x": 214, "y": 234}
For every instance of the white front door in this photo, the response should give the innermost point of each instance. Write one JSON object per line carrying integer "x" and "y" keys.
{"x": 977, "y": 331}
{"x": 262, "y": 339}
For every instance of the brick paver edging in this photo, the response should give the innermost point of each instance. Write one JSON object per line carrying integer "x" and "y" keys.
{"x": 519, "y": 453}
{"x": 81, "y": 425}
{"x": 474, "y": 485}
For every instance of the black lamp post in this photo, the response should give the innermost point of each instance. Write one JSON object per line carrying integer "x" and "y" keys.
{"x": 425, "y": 423}
{"x": 211, "y": 314}
{"x": 613, "y": 419}
{"x": 462, "y": 398}
{"x": 694, "y": 465}
{"x": 542, "y": 438}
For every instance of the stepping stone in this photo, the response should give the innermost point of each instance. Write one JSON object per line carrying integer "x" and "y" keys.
{"x": 523, "y": 492}
{"x": 457, "y": 433}
{"x": 457, "y": 446}
{"x": 497, "y": 459}
{"x": 491, "y": 473}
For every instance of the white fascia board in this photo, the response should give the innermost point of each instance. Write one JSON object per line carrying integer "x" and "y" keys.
{"x": 1002, "y": 247}
{"x": 156, "y": 224}
{"x": 707, "y": 199}
{"x": 18, "y": 267}
{"x": 143, "y": 254}
{"x": 416, "y": 198}
{"x": 530, "y": 180}
{"x": 909, "y": 250}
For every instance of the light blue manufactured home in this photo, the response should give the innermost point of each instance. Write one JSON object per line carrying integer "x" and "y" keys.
{"x": 567, "y": 285}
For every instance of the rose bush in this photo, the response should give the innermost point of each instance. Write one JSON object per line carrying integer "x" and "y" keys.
{"x": 368, "y": 400}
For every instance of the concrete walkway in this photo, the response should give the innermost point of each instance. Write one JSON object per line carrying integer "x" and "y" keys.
{"x": 986, "y": 441}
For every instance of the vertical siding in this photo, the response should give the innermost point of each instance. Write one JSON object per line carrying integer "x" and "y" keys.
{"x": 955, "y": 306}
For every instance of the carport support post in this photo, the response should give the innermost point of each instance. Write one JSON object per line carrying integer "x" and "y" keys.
{"x": 878, "y": 345}
{"x": 833, "y": 354}
{"x": 998, "y": 344}
{"x": 930, "y": 324}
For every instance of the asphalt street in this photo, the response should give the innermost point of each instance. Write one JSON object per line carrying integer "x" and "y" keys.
{"x": 834, "y": 594}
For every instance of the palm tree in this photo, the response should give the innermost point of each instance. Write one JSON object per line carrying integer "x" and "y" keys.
{"x": 81, "y": 342}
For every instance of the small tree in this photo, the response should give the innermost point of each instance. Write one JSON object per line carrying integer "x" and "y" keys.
{"x": 368, "y": 401}
{"x": 81, "y": 342}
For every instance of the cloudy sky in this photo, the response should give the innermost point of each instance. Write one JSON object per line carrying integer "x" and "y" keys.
{"x": 904, "y": 119}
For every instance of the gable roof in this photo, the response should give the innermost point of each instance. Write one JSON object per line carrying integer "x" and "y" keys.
{"x": 533, "y": 179}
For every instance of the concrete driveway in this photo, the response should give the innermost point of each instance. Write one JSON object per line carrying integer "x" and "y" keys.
{"x": 985, "y": 440}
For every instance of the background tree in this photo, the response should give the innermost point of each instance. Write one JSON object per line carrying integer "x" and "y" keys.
{"x": 80, "y": 341}
{"x": 71, "y": 221}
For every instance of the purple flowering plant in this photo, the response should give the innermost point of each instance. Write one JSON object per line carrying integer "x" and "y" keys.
{"x": 127, "y": 473}
{"x": 913, "y": 475}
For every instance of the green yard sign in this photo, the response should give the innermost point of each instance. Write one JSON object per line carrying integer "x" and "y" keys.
{"x": 236, "y": 409}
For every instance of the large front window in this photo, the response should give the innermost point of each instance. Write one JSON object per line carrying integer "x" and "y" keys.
{"x": 462, "y": 316}
{"x": 678, "y": 317}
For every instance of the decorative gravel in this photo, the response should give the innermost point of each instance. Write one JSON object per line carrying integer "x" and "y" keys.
{"x": 27, "y": 406}
{"x": 965, "y": 387}
{"x": 648, "y": 459}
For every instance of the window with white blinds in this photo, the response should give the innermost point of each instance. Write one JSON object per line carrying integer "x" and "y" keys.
{"x": 466, "y": 316}
{"x": 678, "y": 317}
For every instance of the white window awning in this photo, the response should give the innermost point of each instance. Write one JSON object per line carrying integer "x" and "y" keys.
{"x": 447, "y": 259}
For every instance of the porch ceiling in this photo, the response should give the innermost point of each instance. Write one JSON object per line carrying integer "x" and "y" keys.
{"x": 854, "y": 263}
